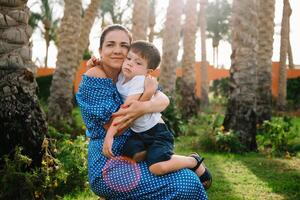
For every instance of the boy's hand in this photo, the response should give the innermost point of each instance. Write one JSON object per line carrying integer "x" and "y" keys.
{"x": 107, "y": 146}
{"x": 92, "y": 62}
{"x": 151, "y": 84}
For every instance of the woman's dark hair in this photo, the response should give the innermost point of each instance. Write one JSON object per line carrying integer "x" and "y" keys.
{"x": 114, "y": 27}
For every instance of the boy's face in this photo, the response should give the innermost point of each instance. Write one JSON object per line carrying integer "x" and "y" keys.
{"x": 134, "y": 65}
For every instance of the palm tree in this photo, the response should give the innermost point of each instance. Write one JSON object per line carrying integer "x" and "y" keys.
{"x": 151, "y": 20}
{"x": 189, "y": 103}
{"x": 204, "y": 64}
{"x": 240, "y": 115}
{"x": 50, "y": 25}
{"x": 140, "y": 20}
{"x": 218, "y": 24}
{"x": 290, "y": 54}
{"x": 170, "y": 46}
{"x": 116, "y": 10}
{"x": 264, "y": 59}
{"x": 61, "y": 90}
{"x": 287, "y": 11}
{"x": 22, "y": 122}
{"x": 85, "y": 28}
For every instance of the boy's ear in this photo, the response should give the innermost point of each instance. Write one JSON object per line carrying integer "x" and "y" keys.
{"x": 150, "y": 71}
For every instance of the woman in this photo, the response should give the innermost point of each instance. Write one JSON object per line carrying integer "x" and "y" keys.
{"x": 98, "y": 99}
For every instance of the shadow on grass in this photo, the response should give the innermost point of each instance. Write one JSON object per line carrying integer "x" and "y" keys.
{"x": 221, "y": 188}
{"x": 281, "y": 175}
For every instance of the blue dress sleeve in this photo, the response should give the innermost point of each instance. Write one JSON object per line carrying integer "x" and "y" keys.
{"x": 97, "y": 99}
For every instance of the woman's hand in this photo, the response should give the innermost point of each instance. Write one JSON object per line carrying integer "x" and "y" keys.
{"x": 107, "y": 146}
{"x": 129, "y": 112}
{"x": 92, "y": 62}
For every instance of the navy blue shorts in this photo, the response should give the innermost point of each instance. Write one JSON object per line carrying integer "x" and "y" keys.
{"x": 157, "y": 141}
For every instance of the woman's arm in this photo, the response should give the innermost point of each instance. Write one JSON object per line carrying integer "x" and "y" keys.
{"x": 134, "y": 109}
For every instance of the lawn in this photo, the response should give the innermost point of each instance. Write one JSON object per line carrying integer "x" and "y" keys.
{"x": 237, "y": 177}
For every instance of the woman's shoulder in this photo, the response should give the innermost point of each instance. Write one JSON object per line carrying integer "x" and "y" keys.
{"x": 96, "y": 72}
{"x": 95, "y": 78}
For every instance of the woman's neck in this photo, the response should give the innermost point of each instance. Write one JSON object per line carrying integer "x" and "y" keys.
{"x": 111, "y": 73}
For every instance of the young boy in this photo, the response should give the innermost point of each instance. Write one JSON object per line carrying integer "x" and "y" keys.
{"x": 151, "y": 138}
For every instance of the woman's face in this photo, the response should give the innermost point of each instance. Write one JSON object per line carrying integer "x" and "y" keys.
{"x": 114, "y": 49}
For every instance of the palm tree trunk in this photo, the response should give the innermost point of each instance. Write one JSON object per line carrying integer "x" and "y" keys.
{"x": 88, "y": 21}
{"x": 47, "y": 24}
{"x": 264, "y": 67}
{"x": 189, "y": 103}
{"x": 217, "y": 50}
{"x": 61, "y": 90}
{"x": 170, "y": 47}
{"x": 140, "y": 19}
{"x": 204, "y": 64}
{"x": 240, "y": 115}
{"x": 287, "y": 11}
{"x": 214, "y": 57}
{"x": 151, "y": 20}
{"x": 22, "y": 122}
{"x": 46, "y": 57}
{"x": 290, "y": 53}
{"x": 62, "y": 86}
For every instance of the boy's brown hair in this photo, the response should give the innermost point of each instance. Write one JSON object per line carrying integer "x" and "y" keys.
{"x": 148, "y": 52}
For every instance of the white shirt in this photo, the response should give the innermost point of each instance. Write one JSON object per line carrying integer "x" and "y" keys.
{"x": 132, "y": 87}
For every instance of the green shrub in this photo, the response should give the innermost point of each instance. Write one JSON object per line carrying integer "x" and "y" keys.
{"x": 72, "y": 128}
{"x": 44, "y": 84}
{"x": 220, "y": 87}
{"x": 228, "y": 141}
{"x": 72, "y": 154}
{"x": 20, "y": 182}
{"x": 293, "y": 92}
{"x": 173, "y": 118}
{"x": 210, "y": 135}
{"x": 274, "y": 136}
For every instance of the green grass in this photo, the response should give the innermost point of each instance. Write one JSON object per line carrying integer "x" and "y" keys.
{"x": 239, "y": 177}
{"x": 86, "y": 195}
{"x": 248, "y": 176}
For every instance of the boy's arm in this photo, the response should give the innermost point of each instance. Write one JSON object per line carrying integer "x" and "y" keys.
{"x": 114, "y": 129}
{"x": 150, "y": 88}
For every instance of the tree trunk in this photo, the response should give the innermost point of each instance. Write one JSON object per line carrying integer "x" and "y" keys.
{"x": 63, "y": 86}
{"x": 61, "y": 90}
{"x": 290, "y": 52}
{"x": 22, "y": 122}
{"x": 204, "y": 63}
{"x": 140, "y": 19}
{"x": 47, "y": 48}
{"x": 170, "y": 47}
{"x": 287, "y": 11}
{"x": 189, "y": 103}
{"x": 47, "y": 25}
{"x": 240, "y": 115}
{"x": 264, "y": 61}
{"x": 151, "y": 19}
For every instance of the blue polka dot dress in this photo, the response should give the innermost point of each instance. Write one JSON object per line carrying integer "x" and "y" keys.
{"x": 121, "y": 178}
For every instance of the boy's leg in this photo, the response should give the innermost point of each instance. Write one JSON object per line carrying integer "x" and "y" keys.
{"x": 134, "y": 148}
{"x": 175, "y": 163}
{"x": 139, "y": 156}
{"x": 160, "y": 156}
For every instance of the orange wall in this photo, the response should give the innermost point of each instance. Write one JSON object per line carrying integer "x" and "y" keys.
{"x": 213, "y": 74}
